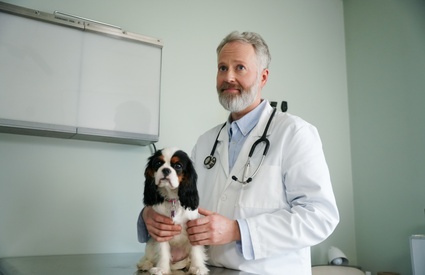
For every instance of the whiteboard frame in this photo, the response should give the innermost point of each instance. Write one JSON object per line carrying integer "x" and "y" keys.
{"x": 14, "y": 126}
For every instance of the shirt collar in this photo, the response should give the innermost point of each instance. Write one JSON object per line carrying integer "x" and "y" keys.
{"x": 248, "y": 121}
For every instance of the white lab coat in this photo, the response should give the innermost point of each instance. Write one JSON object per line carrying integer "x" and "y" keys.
{"x": 289, "y": 206}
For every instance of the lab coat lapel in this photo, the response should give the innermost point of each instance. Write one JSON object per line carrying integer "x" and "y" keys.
{"x": 256, "y": 133}
{"x": 239, "y": 167}
{"x": 222, "y": 152}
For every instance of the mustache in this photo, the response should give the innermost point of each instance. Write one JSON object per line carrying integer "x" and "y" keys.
{"x": 225, "y": 86}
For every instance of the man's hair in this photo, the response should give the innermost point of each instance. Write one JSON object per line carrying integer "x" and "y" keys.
{"x": 260, "y": 47}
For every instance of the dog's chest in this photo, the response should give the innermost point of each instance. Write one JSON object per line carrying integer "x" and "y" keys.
{"x": 181, "y": 217}
{"x": 176, "y": 212}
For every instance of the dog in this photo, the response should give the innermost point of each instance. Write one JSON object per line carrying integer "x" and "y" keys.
{"x": 170, "y": 188}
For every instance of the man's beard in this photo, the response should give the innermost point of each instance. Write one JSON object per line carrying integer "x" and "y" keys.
{"x": 237, "y": 102}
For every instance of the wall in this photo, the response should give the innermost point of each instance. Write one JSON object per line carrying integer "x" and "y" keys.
{"x": 386, "y": 83}
{"x": 61, "y": 196}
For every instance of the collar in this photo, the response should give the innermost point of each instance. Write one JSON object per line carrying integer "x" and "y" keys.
{"x": 173, "y": 206}
{"x": 171, "y": 200}
{"x": 248, "y": 121}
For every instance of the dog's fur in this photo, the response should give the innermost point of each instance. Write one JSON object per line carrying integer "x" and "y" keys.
{"x": 170, "y": 188}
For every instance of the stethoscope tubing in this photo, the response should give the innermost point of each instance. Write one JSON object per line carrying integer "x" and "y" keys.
{"x": 210, "y": 160}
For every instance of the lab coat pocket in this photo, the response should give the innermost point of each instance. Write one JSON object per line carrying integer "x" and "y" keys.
{"x": 264, "y": 194}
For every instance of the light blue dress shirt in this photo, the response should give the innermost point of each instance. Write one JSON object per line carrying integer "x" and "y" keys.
{"x": 238, "y": 132}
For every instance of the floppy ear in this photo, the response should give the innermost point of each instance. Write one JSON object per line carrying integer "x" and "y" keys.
{"x": 151, "y": 195}
{"x": 188, "y": 192}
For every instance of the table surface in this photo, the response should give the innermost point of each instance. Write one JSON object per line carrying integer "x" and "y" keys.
{"x": 85, "y": 264}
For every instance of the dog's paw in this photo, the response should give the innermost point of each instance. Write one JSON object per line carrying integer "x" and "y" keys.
{"x": 158, "y": 271}
{"x": 195, "y": 270}
{"x": 144, "y": 265}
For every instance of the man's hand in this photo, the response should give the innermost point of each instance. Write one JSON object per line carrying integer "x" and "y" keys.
{"x": 160, "y": 227}
{"x": 213, "y": 229}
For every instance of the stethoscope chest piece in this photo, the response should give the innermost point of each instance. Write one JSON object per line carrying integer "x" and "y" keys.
{"x": 209, "y": 162}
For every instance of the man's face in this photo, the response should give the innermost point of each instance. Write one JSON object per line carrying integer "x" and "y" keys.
{"x": 238, "y": 79}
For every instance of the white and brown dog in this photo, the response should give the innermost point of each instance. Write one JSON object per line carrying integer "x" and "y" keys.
{"x": 170, "y": 188}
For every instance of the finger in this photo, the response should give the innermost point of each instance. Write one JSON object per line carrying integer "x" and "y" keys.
{"x": 205, "y": 212}
{"x": 203, "y": 242}
{"x": 161, "y": 235}
{"x": 199, "y": 237}
{"x": 161, "y": 239}
{"x": 196, "y": 223}
{"x": 161, "y": 219}
{"x": 164, "y": 229}
{"x": 151, "y": 215}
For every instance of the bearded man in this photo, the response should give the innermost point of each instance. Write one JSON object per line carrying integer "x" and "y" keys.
{"x": 265, "y": 191}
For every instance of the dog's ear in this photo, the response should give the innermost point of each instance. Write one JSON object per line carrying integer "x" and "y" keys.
{"x": 188, "y": 192}
{"x": 151, "y": 195}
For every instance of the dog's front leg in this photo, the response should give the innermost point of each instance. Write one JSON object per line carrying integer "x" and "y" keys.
{"x": 164, "y": 259}
{"x": 198, "y": 259}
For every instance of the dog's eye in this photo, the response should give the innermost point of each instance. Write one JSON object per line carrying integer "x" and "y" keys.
{"x": 157, "y": 164}
{"x": 177, "y": 166}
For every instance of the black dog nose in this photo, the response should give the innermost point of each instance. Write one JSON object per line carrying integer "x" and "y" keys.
{"x": 166, "y": 171}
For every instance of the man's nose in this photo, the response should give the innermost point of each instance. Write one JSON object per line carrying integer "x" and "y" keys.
{"x": 230, "y": 76}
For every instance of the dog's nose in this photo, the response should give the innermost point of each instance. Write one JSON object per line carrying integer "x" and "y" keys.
{"x": 166, "y": 171}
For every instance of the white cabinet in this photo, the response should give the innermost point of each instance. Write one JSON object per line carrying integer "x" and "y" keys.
{"x": 417, "y": 248}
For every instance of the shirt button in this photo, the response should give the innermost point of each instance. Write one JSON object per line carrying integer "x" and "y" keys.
{"x": 223, "y": 197}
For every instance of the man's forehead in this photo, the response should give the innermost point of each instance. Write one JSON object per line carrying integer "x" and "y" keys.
{"x": 236, "y": 52}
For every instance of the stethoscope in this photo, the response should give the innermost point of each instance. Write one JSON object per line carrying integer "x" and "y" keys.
{"x": 210, "y": 160}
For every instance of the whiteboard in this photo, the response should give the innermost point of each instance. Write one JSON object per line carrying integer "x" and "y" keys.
{"x": 33, "y": 86}
{"x": 89, "y": 80}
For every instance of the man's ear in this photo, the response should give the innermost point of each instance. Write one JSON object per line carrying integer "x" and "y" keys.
{"x": 264, "y": 77}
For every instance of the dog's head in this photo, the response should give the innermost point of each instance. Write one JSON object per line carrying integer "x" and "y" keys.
{"x": 169, "y": 173}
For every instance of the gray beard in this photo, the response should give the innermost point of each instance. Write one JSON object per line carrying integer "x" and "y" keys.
{"x": 239, "y": 102}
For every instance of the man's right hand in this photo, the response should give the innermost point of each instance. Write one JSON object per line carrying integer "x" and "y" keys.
{"x": 161, "y": 228}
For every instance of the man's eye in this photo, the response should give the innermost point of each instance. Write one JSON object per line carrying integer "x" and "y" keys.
{"x": 240, "y": 67}
{"x": 222, "y": 68}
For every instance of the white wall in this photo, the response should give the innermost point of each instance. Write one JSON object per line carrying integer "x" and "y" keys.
{"x": 386, "y": 77}
{"x": 60, "y": 196}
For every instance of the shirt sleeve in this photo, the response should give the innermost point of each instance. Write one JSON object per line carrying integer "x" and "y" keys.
{"x": 142, "y": 231}
{"x": 245, "y": 245}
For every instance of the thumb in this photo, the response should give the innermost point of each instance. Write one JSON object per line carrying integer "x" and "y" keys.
{"x": 205, "y": 212}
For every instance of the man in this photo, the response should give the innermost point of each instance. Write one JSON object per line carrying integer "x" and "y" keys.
{"x": 262, "y": 219}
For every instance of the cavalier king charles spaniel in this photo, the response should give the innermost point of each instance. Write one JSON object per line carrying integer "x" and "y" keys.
{"x": 170, "y": 188}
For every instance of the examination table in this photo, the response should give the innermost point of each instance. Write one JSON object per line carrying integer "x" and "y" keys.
{"x": 84, "y": 264}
